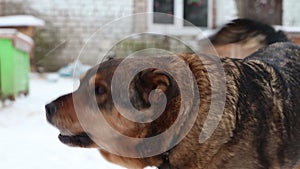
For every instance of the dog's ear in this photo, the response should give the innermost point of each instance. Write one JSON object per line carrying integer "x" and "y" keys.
{"x": 152, "y": 83}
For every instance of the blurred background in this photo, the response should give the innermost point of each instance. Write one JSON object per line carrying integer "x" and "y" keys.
{"x": 40, "y": 45}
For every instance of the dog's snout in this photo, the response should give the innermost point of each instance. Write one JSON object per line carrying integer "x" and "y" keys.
{"x": 51, "y": 109}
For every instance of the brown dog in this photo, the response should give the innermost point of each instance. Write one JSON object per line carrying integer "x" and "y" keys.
{"x": 259, "y": 128}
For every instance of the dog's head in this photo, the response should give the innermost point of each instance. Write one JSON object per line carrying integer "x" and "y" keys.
{"x": 94, "y": 98}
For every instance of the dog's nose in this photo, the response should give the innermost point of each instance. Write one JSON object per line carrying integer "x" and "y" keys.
{"x": 51, "y": 109}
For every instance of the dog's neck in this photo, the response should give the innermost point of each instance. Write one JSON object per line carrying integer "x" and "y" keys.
{"x": 189, "y": 148}
{"x": 206, "y": 151}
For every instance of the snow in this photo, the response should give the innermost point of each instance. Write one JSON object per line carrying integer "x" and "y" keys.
{"x": 20, "y": 20}
{"x": 27, "y": 141}
{"x": 13, "y": 33}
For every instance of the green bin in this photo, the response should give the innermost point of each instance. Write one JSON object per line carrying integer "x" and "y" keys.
{"x": 15, "y": 50}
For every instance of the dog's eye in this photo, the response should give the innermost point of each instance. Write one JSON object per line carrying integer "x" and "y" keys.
{"x": 100, "y": 90}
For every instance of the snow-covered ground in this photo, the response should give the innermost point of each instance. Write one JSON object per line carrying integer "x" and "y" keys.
{"x": 27, "y": 141}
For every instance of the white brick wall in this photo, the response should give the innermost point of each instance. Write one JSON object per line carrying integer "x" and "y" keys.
{"x": 74, "y": 21}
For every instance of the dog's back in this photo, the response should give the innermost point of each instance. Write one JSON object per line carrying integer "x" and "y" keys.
{"x": 268, "y": 106}
{"x": 241, "y": 37}
{"x": 245, "y": 31}
{"x": 269, "y": 97}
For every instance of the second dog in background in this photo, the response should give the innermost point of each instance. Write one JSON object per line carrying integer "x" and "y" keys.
{"x": 241, "y": 37}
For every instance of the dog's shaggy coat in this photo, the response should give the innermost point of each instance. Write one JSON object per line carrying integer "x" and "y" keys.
{"x": 259, "y": 129}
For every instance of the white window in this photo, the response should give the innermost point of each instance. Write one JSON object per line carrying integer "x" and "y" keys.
{"x": 196, "y": 12}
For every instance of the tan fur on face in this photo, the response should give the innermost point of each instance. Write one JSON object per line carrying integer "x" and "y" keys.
{"x": 82, "y": 76}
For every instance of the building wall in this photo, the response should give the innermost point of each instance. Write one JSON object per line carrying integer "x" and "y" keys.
{"x": 1, "y": 6}
{"x": 70, "y": 23}
{"x": 291, "y": 13}
{"x": 140, "y": 23}
{"x": 226, "y": 11}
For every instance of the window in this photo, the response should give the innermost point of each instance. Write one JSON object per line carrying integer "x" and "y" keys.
{"x": 163, "y": 6}
{"x": 196, "y": 12}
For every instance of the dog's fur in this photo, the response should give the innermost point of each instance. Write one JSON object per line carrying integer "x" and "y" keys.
{"x": 241, "y": 37}
{"x": 259, "y": 129}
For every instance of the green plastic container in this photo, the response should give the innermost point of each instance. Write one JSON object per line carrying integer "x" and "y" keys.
{"x": 14, "y": 63}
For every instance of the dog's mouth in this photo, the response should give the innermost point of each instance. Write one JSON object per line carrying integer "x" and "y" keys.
{"x": 81, "y": 140}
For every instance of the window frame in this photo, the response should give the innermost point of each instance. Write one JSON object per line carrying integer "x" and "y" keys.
{"x": 178, "y": 27}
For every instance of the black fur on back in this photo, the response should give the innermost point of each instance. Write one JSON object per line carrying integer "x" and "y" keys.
{"x": 242, "y": 30}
